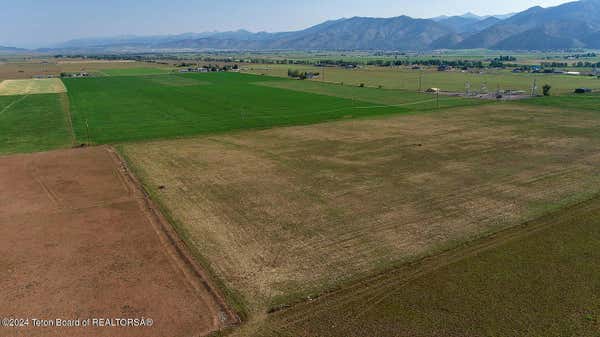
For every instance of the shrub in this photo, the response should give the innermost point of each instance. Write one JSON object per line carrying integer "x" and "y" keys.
{"x": 546, "y": 89}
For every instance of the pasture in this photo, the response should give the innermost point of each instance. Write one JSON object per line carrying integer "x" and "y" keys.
{"x": 284, "y": 215}
{"x": 32, "y": 123}
{"x": 413, "y": 100}
{"x": 117, "y": 109}
{"x": 408, "y": 79}
{"x": 135, "y": 71}
{"x": 588, "y": 102}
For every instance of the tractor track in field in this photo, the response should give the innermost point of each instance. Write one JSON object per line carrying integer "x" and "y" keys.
{"x": 66, "y": 105}
{"x": 13, "y": 103}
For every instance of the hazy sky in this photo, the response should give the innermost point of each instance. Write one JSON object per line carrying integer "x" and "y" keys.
{"x": 34, "y": 23}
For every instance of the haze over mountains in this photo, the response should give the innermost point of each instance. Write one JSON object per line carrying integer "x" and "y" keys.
{"x": 571, "y": 25}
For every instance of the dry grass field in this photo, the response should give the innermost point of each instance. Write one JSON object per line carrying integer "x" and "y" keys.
{"x": 27, "y": 68}
{"x": 283, "y": 215}
{"x": 508, "y": 284}
{"x": 31, "y": 87}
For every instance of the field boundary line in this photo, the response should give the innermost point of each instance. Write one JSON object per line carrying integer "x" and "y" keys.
{"x": 66, "y": 106}
{"x": 177, "y": 248}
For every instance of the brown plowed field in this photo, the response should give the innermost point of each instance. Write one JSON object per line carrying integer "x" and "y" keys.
{"x": 80, "y": 241}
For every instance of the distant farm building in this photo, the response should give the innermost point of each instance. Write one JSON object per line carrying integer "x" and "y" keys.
{"x": 194, "y": 70}
{"x": 583, "y": 90}
{"x": 310, "y": 75}
{"x": 75, "y": 75}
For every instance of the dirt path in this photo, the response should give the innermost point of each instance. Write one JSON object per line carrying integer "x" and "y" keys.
{"x": 81, "y": 241}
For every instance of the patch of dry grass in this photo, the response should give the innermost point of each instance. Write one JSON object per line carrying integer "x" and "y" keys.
{"x": 32, "y": 87}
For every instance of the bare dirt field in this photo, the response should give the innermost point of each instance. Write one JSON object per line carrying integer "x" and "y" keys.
{"x": 80, "y": 241}
{"x": 282, "y": 215}
{"x": 31, "y": 87}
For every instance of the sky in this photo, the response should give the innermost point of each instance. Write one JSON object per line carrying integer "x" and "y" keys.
{"x": 41, "y": 23}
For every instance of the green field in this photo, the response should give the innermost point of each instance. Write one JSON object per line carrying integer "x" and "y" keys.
{"x": 539, "y": 279}
{"x": 590, "y": 102}
{"x": 135, "y": 71}
{"x": 414, "y": 100}
{"x": 116, "y": 109}
{"x": 34, "y": 123}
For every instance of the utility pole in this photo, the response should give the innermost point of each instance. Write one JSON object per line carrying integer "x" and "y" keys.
{"x": 534, "y": 88}
{"x": 437, "y": 98}
{"x": 420, "y": 80}
{"x": 468, "y": 88}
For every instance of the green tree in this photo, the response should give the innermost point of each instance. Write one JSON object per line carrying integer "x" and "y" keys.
{"x": 546, "y": 89}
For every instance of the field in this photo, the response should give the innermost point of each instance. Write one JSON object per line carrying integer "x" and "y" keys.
{"x": 31, "y": 87}
{"x": 26, "y": 68}
{"x": 588, "y": 102}
{"x": 363, "y": 57}
{"x": 81, "y": 241}
{"x": 283, "y": 215}
{"x": 135, "y": 71}
{"x": 408, "y": 99}
{"x": 116, "y": 109}
{"x": 408, "y": 79}
{"x": 32, "y": 123}
{"x": 540, "y": 279}
{"x": 309, "y": 208}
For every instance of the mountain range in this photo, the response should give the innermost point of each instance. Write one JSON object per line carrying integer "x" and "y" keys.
{"x": 11, "y": 50}
{"x": 570, "y": 25}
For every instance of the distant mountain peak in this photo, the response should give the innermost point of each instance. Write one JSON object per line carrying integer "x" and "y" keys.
{"x": 573, "y": 24}
{"x": 470, "y": 15}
